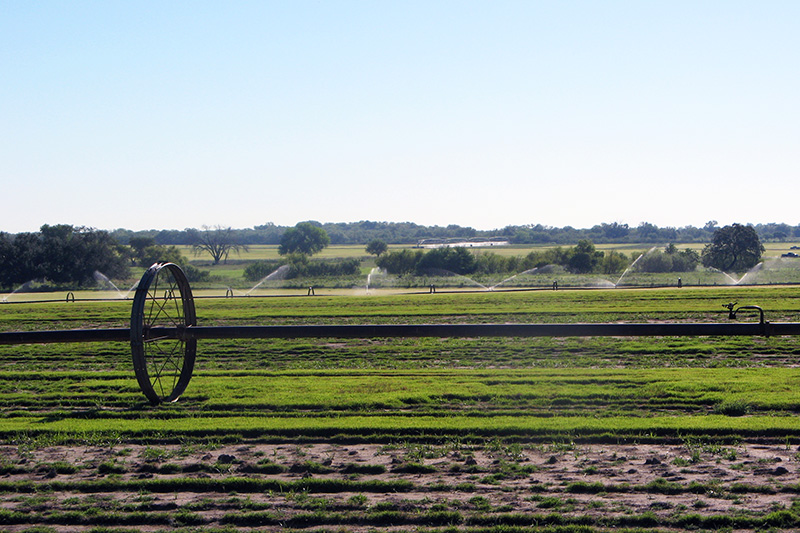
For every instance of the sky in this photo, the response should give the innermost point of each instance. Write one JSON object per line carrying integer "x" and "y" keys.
{"x": 170, "y": 115}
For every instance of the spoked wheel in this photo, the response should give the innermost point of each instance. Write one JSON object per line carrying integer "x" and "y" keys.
{"x": 163, "y": 364}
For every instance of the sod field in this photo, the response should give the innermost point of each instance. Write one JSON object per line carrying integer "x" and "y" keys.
{"x": 452, "y": 434}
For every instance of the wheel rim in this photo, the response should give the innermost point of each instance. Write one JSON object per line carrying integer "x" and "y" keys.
{"x": 163, "y": 365}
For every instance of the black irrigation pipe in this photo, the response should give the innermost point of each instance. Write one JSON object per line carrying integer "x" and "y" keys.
{"x": 409, "y": 331}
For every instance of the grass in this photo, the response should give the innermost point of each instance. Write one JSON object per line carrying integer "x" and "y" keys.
{"x": 537, "y": 306}
{"x": 265, "y": 251}
{"x": 230, "y": 274}
{"x": 426, "y": 427}
{"x": 262, "y": 252}
{"x": 91, "y": 385}
{"x": 591, "y": 404}
{"x": 779, "y": 303}
{"x": 430, "y": 405}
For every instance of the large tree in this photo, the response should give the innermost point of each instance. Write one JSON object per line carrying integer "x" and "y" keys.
{"x": 733, "y": 248}
{"x": 61, "y": 254}
{"x": 218, "y": 242}
{"x": 583, "y": 257}
{"x": 305, "y": 238}
{"x": 376, "y": 247}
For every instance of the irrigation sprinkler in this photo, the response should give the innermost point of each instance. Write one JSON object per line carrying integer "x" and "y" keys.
{"x": 163, "y": 331}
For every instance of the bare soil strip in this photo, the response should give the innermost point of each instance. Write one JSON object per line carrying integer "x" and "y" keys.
{"x": 146, "y": 488}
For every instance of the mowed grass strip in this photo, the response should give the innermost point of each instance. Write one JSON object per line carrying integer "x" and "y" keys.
{"x": 533, "y": 403}
{"x": 773, "y": 388}
{"x": 776, "y": 389}
{"x": 365, "y": 428}
{"x": 242, "y": 355}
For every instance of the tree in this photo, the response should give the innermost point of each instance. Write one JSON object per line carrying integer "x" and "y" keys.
{"x": 734, "y": 248}
{"x": 647, "y": 232}
{"x": 61, "y": 254}
{"x": 138, "y": 244}
{"x": 376, "y": 247}
{"x": 456, "y": 260}
{"x": 402, "y": 262}
{"x": 305, "y": 238}
{"x": 615, "y": 230}
{"x": 584, "y": 258}
{"x": 684, "y": 261}
{"x": 656, "y": 262}
{"x": 161, "y": 253}
{"x": 219, "y": 242}
{"x": 614, "y": 262}
{"x": 7, "y": 260}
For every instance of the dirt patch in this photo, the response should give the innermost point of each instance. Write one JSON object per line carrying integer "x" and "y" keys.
{"x": 363, "y": 486}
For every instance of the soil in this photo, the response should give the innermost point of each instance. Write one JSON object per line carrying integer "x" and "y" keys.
{"x": 665, "y": 481}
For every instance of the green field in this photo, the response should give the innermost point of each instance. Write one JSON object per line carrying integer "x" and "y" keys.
{"x": 452, "y": 434}
{"x": 230, "y": 274}
{"x": 533, "y": 377}
{"x": 264, "y": 251}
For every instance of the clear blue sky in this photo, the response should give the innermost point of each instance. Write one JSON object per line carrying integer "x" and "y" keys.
{"x": 153, "y": 114}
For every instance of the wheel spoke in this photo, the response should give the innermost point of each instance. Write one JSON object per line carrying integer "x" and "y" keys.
{"x": 166, "y": 365}
{"x": 158, "y": 305}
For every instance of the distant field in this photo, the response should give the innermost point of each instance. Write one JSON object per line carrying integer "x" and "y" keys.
{"x": 266, "y": 251}
{"x": 262, "y": 251}
{"x": 230, "y": 274}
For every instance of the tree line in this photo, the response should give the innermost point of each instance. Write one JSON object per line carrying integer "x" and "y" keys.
{"x": 583, "y": 258}
{"x": 408, "y": 233}
{"x": 300, "y": 266}
{"x": 61, "y": 254}
{"x": 67, "y": 255}
{"x": 733, "y": 248}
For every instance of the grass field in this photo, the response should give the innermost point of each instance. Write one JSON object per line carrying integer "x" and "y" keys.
{"x": 230, "y": 274}
{"x": 263, "y": 251}
{"x": 455, "y": 434}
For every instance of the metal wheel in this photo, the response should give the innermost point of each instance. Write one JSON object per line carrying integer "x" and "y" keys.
{"x": 163, "y": 364}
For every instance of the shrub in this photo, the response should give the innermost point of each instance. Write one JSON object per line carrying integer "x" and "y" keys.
{"x": 414, "y": 468}
{"x": 260, "y": 269}
{"x": 732, "y": 408}
{"x": 354, "y": 468}
{"x": 399, "y": 263}
{"x": 302, "y": 267}
{"x": 670, "y": 260}
{"x": 195, "y": 274}
{"x": 112, "y": 467}
{"x": 457, "y": 260}
{"x": 655, "y": 262}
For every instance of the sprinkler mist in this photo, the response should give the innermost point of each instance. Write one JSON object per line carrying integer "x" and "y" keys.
{"x": 648, "y": 252}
